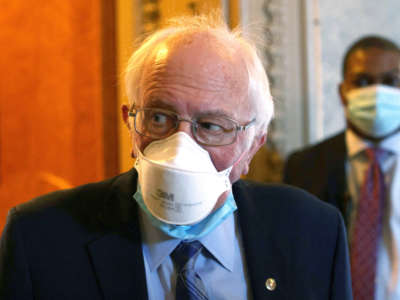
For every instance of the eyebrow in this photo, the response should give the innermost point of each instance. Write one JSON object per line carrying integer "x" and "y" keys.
{"x": 159, "y": 103}
{"x": 393, "y": 71}
{"x": 357, "y": 74}
{"x": 215, "y": 112}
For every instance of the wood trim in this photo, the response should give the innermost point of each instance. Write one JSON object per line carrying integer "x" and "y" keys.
{"x": 109, "y": 88}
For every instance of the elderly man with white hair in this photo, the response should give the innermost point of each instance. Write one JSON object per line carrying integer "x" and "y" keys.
{"x": 181, "y": 224}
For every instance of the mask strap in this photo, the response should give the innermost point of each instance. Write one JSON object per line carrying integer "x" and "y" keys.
{"x": 139, "y": 155}
{"x": 239, "y": 159}
{"x": 228, "y": 170}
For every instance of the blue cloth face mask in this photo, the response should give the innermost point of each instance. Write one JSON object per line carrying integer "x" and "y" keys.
{"x": 374, "y": 110}
{"x": 194, "y": 231}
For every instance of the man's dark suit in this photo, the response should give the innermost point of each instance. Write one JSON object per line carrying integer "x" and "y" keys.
{"x": 85, "y": 243}
{"x": 320, "y": 170}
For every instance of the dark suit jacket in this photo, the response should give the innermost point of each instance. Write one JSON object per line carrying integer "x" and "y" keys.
{"x": 85, "y": 243}
{"x": 320, "y": 170}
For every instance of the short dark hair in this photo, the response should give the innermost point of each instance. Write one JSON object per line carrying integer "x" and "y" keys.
{"x": 371, "y": 41}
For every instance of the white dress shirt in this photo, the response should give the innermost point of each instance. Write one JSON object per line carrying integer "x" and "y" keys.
{"x": 387, "y": 281}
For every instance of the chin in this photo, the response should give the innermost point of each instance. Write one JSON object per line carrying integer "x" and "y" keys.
{"x": 221, "y": 200}
{"x": 377, "y": 139}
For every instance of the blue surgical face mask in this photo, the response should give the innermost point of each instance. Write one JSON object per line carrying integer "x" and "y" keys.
{"x": 194, "y": 231}
{"x": 374, "y": 110}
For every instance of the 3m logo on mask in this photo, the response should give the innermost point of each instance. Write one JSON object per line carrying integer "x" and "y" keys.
{"x": 166, "y": 201}
{"x": 164, "y": 195}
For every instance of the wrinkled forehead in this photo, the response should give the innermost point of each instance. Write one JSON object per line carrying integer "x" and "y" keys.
{"x": 209, "y": 62}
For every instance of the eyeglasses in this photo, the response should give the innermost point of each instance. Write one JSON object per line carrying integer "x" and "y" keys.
{"x": 208, "y": 130}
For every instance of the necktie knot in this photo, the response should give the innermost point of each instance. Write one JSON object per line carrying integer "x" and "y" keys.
{"x": 189, "y": 285}
{"x": 184, "y": 252}
{"x": 374, "y": 154}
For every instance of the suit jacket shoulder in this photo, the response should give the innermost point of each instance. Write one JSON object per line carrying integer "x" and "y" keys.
{"x": 315, "y": 159}
{"x": 320, "y": 169}
{"x": 82, "y": 243}
{"x": 293, "y": 237}
{"x": 85, "y": 243}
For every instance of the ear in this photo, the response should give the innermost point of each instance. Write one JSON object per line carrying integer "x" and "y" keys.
{"x": 342, "y": 93}
{"x": 125, "y": 115}
{"x": 258, "y": 142}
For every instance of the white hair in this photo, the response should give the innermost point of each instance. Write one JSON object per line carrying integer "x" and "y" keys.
{"x": 213, "y": 24}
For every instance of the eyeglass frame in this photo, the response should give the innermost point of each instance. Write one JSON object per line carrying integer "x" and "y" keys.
{"x": 193, "y": 127}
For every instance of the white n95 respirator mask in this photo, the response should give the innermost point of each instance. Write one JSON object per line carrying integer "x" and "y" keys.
{"x": 179, "y": 183}
{"x": 375, "y": 110}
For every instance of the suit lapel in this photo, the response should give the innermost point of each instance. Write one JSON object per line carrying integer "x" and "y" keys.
{"x": 117, "y": 255}
{"x": 118, "y": 263}
{"x": 261, "y": 245}
{"x": 337, "y": 192}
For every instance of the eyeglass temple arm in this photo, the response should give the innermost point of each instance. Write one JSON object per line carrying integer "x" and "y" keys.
{"x": 244, "y": 127}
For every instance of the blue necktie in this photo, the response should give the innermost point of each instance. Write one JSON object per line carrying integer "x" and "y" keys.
{"x": 189, "y": 285}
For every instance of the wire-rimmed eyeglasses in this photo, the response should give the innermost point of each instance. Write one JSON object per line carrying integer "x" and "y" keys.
{"x": 208, "y": 129}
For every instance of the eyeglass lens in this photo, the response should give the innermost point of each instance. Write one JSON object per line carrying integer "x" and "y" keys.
{"x": 209, "y": 130}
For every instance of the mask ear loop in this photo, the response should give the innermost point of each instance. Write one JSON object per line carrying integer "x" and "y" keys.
{"x": 138, "y": 156}
{"x": 239, "y": 159}
{"x": 228, "y": 170}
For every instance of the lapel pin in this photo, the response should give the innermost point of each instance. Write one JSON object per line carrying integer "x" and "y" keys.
{"x": 270, "y": 284}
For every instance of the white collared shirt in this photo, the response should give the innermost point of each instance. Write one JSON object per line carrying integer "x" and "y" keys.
{"x": 387, "y": 275}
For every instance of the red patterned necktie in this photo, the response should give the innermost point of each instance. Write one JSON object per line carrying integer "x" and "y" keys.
{"x": 367, "y": 229}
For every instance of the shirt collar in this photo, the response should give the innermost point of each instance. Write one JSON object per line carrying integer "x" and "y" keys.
{"x": 158, "y": 246}
{"x": 221, "y": 242}
{"x": 392, "y": 143}
{"x": 356, "y": 144}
